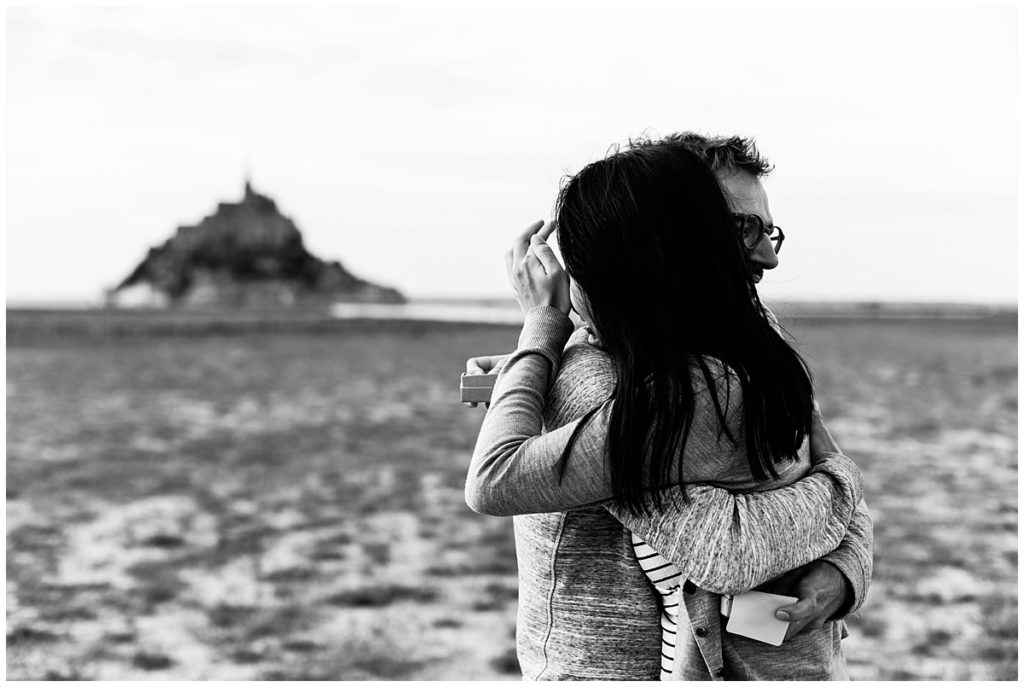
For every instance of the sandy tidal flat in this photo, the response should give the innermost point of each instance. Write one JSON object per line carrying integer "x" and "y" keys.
{"x": 290, "y": 505}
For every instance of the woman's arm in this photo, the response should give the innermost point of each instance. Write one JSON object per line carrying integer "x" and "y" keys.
{"x": 515, "y": 469}
{"x": 511, "y": 458}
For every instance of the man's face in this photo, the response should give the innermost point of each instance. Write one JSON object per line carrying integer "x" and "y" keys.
{"x": 746, "y": 195}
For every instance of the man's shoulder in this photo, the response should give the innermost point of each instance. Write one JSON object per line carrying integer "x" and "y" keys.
{"x": 585, "y": 380}
{"x": 583, "y": 358}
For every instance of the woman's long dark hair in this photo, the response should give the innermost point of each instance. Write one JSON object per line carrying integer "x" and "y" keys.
{"x": 649, "y": 237}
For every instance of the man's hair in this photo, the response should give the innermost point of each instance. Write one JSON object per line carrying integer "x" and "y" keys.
{"x": 718, "y": 152}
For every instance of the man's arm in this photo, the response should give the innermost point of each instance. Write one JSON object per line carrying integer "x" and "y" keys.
{"x": 854, "y": 556}
{"x": 824, "y": 595}
{"x": 829, "y": 588}
{"x": 835, "y": 585}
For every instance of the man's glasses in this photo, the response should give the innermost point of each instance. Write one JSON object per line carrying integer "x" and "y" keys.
{"x": 752, "y": 227}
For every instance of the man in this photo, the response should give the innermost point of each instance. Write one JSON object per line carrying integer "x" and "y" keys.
{"x": 827, "y": 589}
{"x": 739, "y": 168}
{"x": 835, "y": 585}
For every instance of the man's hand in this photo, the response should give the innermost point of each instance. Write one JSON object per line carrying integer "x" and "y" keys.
{"x": 482, "y": 365}
{"x": 821, "y": 589}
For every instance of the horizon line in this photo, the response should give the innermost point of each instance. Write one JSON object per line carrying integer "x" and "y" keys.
{"x": 87, "y": 303}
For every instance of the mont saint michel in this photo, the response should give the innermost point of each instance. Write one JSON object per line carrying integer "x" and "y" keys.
{"x": 244, "y": 254}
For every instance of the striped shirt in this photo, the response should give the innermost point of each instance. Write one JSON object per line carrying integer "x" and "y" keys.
{"x": 666, "y": 579}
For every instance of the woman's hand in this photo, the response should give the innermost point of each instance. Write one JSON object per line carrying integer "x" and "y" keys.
{"x": 485, "y": 364}
{"x": 534, "y": 272}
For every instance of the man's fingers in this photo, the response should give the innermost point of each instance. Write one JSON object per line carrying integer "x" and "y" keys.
{"x": 802, "y": 610}
{"x": 794, "y": 629}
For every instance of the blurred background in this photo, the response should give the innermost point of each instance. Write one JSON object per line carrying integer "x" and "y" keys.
{"x": 250, "y": 249}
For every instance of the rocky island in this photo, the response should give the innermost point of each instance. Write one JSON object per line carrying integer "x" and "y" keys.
{"x": 245, "y": 254}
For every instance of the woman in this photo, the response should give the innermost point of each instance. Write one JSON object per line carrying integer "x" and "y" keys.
{"x": 687, "y": 346}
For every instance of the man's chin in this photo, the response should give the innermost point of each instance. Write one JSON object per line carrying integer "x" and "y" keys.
{"x": 756, "y": 276}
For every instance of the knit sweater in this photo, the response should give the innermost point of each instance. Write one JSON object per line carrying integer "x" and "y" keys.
{"x": 723, "y": 542}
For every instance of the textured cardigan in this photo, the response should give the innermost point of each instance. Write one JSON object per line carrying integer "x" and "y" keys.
{"x": 723, "y": 542}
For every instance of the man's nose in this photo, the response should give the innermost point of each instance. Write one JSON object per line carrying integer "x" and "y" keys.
{"x": 764, "y": 255}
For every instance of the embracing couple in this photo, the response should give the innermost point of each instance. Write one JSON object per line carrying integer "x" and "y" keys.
{"x": 666, "y": 457}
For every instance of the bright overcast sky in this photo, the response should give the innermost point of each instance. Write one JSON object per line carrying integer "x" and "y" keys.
{"x": 411, "y": 144}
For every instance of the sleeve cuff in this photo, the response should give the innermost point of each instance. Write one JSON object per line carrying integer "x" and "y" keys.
{"x": 545, "y": 331}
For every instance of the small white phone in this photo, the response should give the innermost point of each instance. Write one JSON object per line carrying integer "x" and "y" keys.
{"x": 752, "y": 614}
